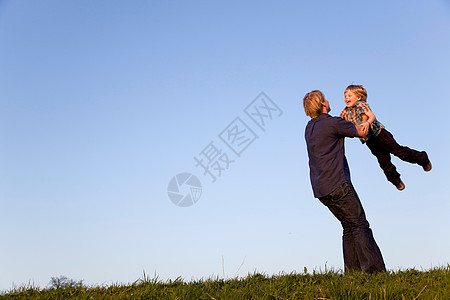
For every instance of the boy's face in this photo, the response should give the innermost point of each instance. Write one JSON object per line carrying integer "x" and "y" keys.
{"x": 350, "y": 98}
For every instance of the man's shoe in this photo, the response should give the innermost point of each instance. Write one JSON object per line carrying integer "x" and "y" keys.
{"x": 400, "y": 186}
{"x": 427, "y": 167}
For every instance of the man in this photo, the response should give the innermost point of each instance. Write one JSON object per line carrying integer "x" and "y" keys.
{"x": 331, "y": 184}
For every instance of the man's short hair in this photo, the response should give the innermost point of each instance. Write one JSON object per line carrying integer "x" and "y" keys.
{"x": 312, "y": 102}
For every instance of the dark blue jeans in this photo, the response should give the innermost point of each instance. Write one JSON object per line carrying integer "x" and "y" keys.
{"x": 361, "y": 252}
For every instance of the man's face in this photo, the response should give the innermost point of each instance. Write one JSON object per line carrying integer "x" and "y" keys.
{"x": 326, "y": 105}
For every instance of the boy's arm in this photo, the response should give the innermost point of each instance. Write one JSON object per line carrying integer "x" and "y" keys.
{"x": 367, "y": 118}
{"x": 370, "y": 117}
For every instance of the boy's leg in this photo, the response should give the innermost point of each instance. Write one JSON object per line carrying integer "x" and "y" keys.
{"x": 387, "y": 141}
{"x": 384, "y": 160}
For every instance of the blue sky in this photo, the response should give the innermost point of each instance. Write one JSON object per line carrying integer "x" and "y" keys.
{"x": 102, "y": 103}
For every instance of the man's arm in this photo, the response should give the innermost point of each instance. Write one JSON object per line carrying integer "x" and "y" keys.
{"x": 347, "y": 128}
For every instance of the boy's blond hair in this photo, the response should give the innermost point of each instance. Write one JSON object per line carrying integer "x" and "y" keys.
{"x": 312, "y": 102}
{"x": 358, "y": 90}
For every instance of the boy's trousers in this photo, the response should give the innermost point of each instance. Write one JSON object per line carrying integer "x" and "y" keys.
{"x": 361, "y": 252}
{"x": 384, "y": 144}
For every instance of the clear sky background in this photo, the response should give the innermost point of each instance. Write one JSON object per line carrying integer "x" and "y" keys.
{"x": 103, "y": 102}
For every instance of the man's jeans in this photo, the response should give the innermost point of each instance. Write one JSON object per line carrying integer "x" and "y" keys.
{"x": 361, "y": 252}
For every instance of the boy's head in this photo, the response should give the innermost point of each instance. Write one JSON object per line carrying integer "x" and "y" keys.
{"x": 358, "y": 90}
{"x": 314, "y": 103}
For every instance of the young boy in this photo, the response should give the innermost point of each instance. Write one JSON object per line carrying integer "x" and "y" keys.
{"x": 380, "y": 141}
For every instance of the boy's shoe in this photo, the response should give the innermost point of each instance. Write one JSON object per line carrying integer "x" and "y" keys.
{"x": 427, "y": 167}
{"x": 400, "y": 186}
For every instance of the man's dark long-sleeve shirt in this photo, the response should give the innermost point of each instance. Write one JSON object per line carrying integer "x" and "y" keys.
{"x": 327, "y": 163}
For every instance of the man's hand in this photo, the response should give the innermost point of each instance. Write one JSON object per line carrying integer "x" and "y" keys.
{"x": 362, "y": 130}
{"x": 366, "y": 126}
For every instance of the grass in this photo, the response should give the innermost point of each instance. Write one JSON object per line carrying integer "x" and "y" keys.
{"x": 406, "y": 284}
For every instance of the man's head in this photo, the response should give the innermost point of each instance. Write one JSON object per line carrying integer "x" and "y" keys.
{"x": 315, "y": 104}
